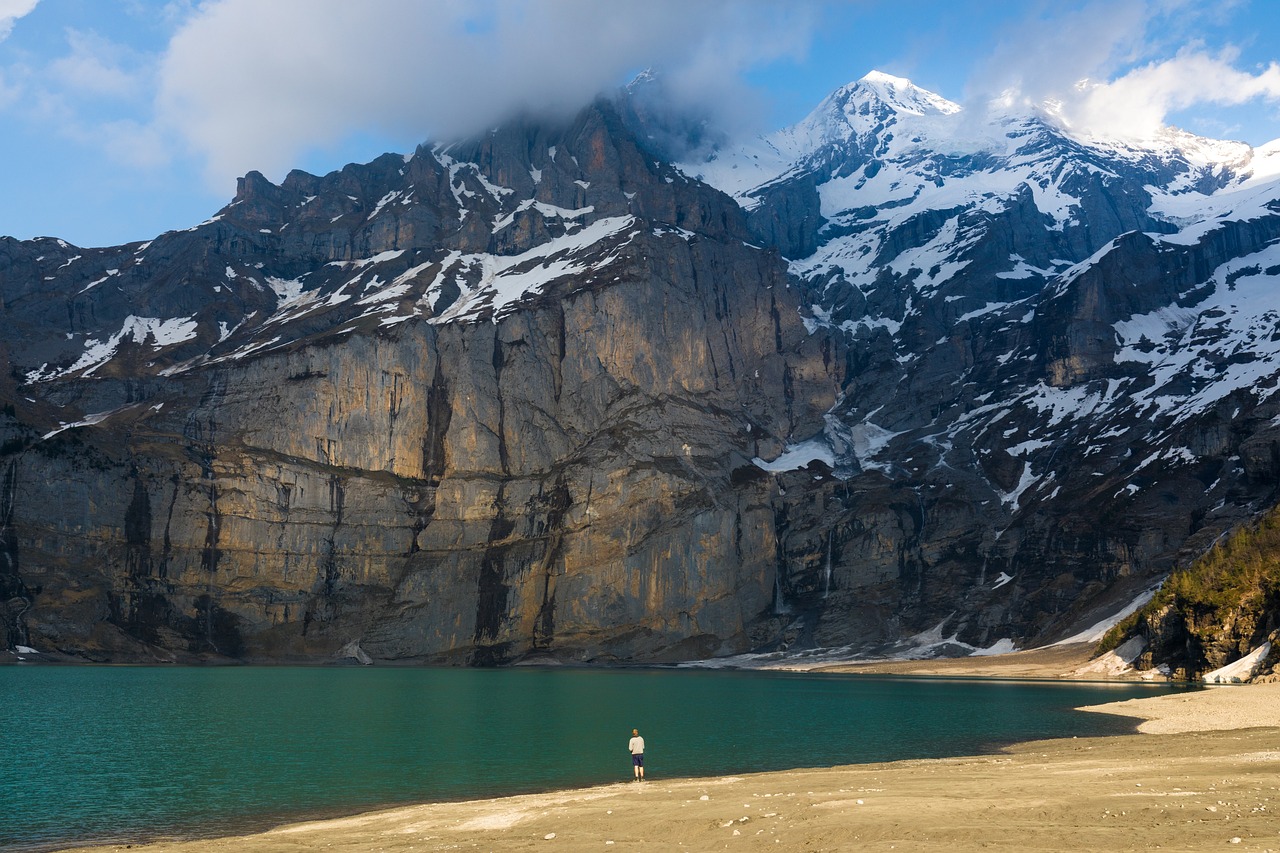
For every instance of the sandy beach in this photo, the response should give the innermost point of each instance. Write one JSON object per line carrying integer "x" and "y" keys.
{"x": 1204, "y": 775}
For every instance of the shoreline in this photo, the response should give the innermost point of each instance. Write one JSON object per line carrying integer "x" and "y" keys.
{"x": 1201, "y": 775}
{"x": 1069, "y": 662}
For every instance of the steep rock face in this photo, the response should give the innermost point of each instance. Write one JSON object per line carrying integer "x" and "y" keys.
{"x": 505, "y": 417}
{"x": 1136, "y": 276}
{"x": 789, "y": 216}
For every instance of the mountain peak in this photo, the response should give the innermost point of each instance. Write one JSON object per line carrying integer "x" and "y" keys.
{"x": 863, "y": 108}
{"x": 647, "y": 77}
{"x": 880, "y": 78}
{"x": 897, "y": 93}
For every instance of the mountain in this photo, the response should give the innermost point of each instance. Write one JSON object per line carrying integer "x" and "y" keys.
{"x": 1062, "y": 353}
{"x": 907, "y": 376}
{"x": 488, "y": 401}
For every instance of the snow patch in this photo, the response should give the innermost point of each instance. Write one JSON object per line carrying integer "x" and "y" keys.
{"x": 380, "y": 258}
{"x": 383, "y": 202}
{"x": 286, "y": 290}
{"x": 159, "y": 333}
{"x": 1241, "y": 670}
{"x": 88, "y": 420}
{"x": 548, "y": 211}
{"x": 1095, "y": 633}
{"x": 1115, "y": 662}
{"x": 798, "y": 456}
{"x": 506, "y": 279}
{"x": 94, "y": 284}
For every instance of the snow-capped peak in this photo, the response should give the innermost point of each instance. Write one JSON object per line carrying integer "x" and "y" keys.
{"x": 856, "y": 112}
{"x": 863, "y": 107}
{"x": 898, "y": 93}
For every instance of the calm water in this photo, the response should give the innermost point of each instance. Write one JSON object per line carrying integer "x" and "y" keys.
{"x": 126, "y": 753}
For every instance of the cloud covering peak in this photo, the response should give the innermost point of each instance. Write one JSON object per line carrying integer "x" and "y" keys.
{"x": 249, "y": 85}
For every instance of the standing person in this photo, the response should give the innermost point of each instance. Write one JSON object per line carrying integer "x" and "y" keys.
{"x": 636, "y": 745}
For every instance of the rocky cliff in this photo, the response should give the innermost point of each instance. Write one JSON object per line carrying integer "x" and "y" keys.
{"x": 473, "y": 405}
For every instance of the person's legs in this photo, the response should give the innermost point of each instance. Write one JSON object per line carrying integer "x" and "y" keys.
{"x": 637, "y": 765}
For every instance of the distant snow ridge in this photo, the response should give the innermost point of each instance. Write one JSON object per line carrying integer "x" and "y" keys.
{"x": 884, "y": 151}
{"x": 893, "y": 119}
{"x": 855, "y": 112}
{"x": 900, "y": 94}
{"x": 916, "y": 203}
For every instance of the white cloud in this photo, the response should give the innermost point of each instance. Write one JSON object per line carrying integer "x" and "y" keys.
{"x": 250, "y": 85}
{"x": 12, "y": 10}
{"x": 1043, "y": 56}
{"x": 9, "y": 92}
{"x": 131, "y": 143}
{"x": 98, "y": 67}
{"x": 1137, "y": 104}
{"x": 97, "y": 94}
{"x": 1110, "y": 67}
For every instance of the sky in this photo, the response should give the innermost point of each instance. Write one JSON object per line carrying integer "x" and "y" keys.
{"x": 122, "y": 119}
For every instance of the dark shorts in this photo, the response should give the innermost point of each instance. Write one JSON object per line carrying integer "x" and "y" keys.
{"x": 638, "y": 760}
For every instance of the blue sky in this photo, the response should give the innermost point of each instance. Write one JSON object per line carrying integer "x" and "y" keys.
{"x": 120, "y": 119}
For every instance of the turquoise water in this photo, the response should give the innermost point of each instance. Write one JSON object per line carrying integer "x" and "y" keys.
{"x": 110, "y": 754}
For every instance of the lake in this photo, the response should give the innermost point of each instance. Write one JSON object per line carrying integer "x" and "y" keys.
{"x": 122, "y": 754}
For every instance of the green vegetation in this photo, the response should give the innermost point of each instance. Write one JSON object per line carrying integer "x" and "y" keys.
{"x": 1238, "y": 577}
{"x": 1122, "y": 630}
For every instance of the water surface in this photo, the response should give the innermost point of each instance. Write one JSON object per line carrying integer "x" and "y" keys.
{"x": 107, "y": 754}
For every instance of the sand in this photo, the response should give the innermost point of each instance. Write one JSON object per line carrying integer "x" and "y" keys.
{"x": 1206, "y": 776}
